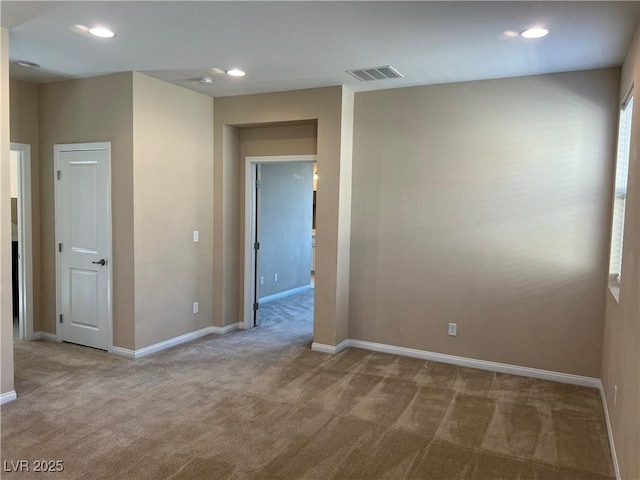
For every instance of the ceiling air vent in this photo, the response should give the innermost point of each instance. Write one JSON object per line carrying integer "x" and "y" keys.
{"x": 375, "y": 73}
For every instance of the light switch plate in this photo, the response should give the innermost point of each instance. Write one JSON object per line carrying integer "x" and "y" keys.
{"x": 196, "y": 236}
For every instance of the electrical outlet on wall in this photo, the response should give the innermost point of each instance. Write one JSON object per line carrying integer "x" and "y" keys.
{"x": 195, "y": 307}
{"x": 453, "y": 329}
{"x": 615, "y": 396}
{"x": 261, "y": 280}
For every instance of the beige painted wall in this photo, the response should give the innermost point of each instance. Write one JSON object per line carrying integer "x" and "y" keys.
{"x": 343, "y": 245}
{"x": 96, "y": 109}
{"x": 6, "y": 314}
{"x": 14, "y": 200}
{"x": 486, "y": 204}
{"x": 13, "y": 181}
{"x": 173, "y": 196}
{"x": 226, "y": 227}
{"x": 24, "y": 129}
{"x": 326, "y": 106}
{"x": 278, "y": 140}
{"x": 621, "y": 352}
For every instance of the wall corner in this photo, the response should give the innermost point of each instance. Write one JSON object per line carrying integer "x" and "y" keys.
{"x": 6, "y": 317}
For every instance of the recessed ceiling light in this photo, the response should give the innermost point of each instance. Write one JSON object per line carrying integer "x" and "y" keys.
{"x": 536, "y": 32}
{"x": 28, "y": 64}
{"x": 101, "y": 32}
{"x": 234, "y": 72}
{"x": 206, "y": 80}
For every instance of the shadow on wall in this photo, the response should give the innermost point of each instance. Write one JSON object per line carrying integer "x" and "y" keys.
{"x": 486, "y": 204}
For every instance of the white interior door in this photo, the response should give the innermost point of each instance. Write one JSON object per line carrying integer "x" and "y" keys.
{"x": 83, "y": 225}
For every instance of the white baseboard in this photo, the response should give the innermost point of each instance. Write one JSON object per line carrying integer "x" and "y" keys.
{"x": 8, "y": 397}
{"x": 123, "y": 352}
{"x": 614, "y": 456}
{"x": 51, "y": 337}
{"x": 143, "y": 352}
{"x": 226, "y": 328}
{"x": 461, "y": 361}
{"x": 333, "y": 349}
{"x": 286, "y": 293}
{"x": 479, "y": 364}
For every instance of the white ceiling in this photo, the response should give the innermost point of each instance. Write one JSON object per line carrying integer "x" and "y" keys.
{"x": 294, "y": 45}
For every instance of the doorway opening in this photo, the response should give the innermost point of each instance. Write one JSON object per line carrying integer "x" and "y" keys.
{"x": 279, "y": 234}
{"x": 21, "y": 241}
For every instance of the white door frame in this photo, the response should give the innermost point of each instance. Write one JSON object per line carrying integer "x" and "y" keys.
{"x": 75, "y": 147}
{"x": 250, "y": 225}
{"x": 25, "y": 241}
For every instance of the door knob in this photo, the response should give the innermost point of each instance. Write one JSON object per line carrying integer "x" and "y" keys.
{"x": 102, "y": 262}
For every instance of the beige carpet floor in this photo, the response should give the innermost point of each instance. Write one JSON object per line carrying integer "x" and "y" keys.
{"x": 261, "y": 405}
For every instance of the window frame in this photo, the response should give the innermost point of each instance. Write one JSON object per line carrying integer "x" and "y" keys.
{"x": 621, "y": 179}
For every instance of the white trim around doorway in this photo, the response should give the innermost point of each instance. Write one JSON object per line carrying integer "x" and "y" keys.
{"x": 25, "y": 241}
{"x": 249, "y": 224}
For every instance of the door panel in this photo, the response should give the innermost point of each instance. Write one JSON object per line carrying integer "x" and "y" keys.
{"x": 84, "y": 208}
{"x": 84, "y": 299}
{"x": 84, "y": 240}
